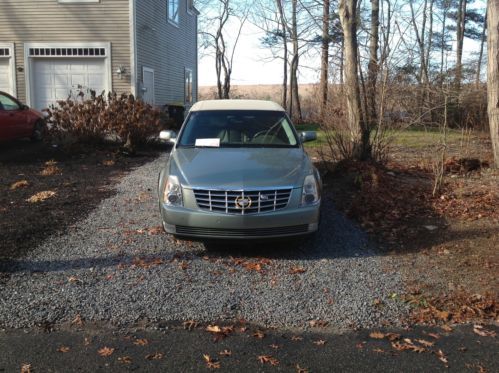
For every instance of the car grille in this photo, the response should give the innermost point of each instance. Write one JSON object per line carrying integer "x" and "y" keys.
{"x": 242, "y": 202}
{"x": 241, "y": 233}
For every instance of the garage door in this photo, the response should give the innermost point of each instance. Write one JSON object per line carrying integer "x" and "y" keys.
{"x": 5, "y": 79}
{"x": 57, "y": 79}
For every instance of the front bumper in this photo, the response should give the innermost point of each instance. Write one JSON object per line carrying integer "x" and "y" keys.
{"x": 197, "y": 223}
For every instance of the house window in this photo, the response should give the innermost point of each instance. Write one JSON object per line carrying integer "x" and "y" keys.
{"x": 173, "y": 11}
{"x": 188, "y": 87}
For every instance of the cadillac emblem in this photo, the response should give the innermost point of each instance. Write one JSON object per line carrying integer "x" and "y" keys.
{"x": 243, "y": 202}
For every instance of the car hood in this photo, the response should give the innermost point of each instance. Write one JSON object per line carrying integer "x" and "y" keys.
{"x": 240, "y": 168}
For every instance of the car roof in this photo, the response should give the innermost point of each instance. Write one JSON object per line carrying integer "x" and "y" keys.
{"x": 236, "y": 105}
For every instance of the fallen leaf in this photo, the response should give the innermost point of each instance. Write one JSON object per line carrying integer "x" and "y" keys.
{"x": 77, "y": 320}
{"x": 408, "y": 346}
{"x": 190, "y": 324}
{"x": 318, "y": 323}
{"x": 299, "y": 369}
{"x": 320, "y": 342}
{"x": 155, "y": 356}
{"x": 379, "y": 350}
{"x": 296, "y": 338}
{"x": 50, "y": 169}
{"x": 267, "y": 359}
{"x": 259, "y": 334}
{"x": 108, "y": 162}
{"x": 213, "y": 329}
{"x": 19, "y": 184}
{"x": 155, "y": 231}
{"x": 478, "y": 329}
{"x": 442, "y": 357}
{"x": 446, "y": 328}
{"x": 41, "y": 196}
{"x": 105, "y": 351}
{"x": 225, "y": 353}
{"x": 141, "y": 342}
{"x": 425, "y": 342}
{"x": 210, "y": 363}
{"x": 125, "y": 360}
{"x": 63, "y": 349}
{"x": 26, "y": 368}
{"x": 377, "y": 335}
{"x": 274, "y": 346}
{"x": 392, "y": 336}
{"x": 434, "y": 335}
{"x": 184, "y": 265}
{"x": 86, "y": 341}
{"x": 297, "y": 270}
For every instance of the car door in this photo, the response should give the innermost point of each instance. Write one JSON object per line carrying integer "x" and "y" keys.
{"x": 13, "y": 119}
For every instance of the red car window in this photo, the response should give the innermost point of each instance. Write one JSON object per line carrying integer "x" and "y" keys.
{"x": 6, "y": 103}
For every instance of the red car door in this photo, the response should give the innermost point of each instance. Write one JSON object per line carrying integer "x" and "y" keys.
{"x": 13, "y": 119}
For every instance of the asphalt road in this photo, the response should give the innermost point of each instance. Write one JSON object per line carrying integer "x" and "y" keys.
{"x": 174, "y": 349}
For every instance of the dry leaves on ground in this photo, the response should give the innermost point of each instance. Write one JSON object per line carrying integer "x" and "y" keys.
{"x": 19, "y": 184}
{"x": 211, "y": 363}
{"x": 25, "y": 368}
{"x": 318, "y": 323}
{"x": 320, "y": 342}
{"x": 267, "y": 359}
{"x": 441, "y": 356}
{"x": 146, "y": 263}
{"x": 225, "y": 353}
{"x": 155, "y": 356}
{"x": 78, "y": 321}
{"x": 41, "y": 196}
{"x": 141, "y": 342}
{"x": 297, "y": 270}
{"x": 296, "y": 338}
{"x": 218, "y": 332}
{"x": 190, "y": 324}
{"x": 63, "y": 349}
{"x": 105, "y": 351}
{"x": 125, "y": 360}
{"x": 407, "y": 345}
{"x": 50, "y": 169}
{"x": 478, "y": 329}
{"x": 259, "y": 334}
{"x": 299, "y": 369}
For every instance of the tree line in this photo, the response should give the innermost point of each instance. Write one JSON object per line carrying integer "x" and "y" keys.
{"x": 379, "y": 59}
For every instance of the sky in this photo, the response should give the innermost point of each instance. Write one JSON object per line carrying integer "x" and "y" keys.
{"x": 253, "y": 64}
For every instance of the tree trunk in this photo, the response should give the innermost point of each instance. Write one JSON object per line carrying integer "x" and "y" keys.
{"x": 461, "y": 19}
{"x": 493, "y": 74}
{"x": 284, "y": 97}
{"x": 480, "y": 55}
{"x": 359, "y": 132}
{"x": 325, "y": 56}
{"x": 295, "y": 107}
{"x": 442, "y": 41}
{"x": 372, "y": 73}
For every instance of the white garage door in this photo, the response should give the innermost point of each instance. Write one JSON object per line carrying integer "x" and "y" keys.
{"x": 5, "y": 79}
{"x": 57, "y": 79}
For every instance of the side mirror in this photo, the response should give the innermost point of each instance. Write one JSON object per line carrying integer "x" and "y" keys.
{"x": 170, "y": 136}
{"x": 24, "y": 107}
{"x": 306, "y": 136}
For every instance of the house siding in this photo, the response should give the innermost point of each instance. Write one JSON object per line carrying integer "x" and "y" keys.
{"x": 25, "y": 21}
{"x": 166, "y": 48}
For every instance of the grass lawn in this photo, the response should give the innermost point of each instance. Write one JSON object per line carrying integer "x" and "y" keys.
{"x": 412, "y": 138}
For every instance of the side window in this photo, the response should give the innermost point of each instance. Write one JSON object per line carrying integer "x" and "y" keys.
{"x": 188, "y": 87}
{"x": 8, "y": 104}
{"x": 172, "y": 10}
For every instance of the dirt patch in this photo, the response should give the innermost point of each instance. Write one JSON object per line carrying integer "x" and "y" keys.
{"x": 44, "y": 190}
{"x": 446, "y": 245}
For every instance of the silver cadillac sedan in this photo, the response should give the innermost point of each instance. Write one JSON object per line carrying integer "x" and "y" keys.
{"x": 238, "y": 171}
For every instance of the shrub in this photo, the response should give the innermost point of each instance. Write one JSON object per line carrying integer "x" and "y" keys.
{"x": 100, "y": 117}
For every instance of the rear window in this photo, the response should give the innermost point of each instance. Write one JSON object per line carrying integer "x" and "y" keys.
{"x": 238, "y": 128}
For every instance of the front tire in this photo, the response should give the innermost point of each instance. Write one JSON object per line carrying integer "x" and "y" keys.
{"x": 38, "y": 131}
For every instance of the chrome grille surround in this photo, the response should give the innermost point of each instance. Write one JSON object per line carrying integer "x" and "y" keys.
{"x": 242, "y": 202}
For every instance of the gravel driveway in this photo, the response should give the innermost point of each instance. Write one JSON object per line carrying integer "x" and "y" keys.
{"x": 116, "y": 265}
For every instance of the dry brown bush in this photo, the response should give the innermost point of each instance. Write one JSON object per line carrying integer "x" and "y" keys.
{"x": 100, "y": 117}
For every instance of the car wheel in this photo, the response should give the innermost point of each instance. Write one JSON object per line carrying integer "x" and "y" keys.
{"x": 38, "y": 131}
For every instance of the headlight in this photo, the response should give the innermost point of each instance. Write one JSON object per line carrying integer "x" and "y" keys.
{"x": 172, "y": 194}
{"x": 310, "y": 194}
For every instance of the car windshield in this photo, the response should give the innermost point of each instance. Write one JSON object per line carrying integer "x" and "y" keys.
{"x": 238, "y": 128}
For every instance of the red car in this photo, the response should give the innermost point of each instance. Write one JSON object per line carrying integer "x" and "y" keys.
{"x": 18, "y": 120}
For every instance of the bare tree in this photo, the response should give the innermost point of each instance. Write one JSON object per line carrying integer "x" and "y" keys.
{"x": 214, "y": 33}
{"x": 372, "y": 74}
{"x": 359, "y": 130}
{"x": 460, "y": 31}
{"x": 493, "y": 74}
{"x": 480, "y": 54}
{"x": 325, "y": 55}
